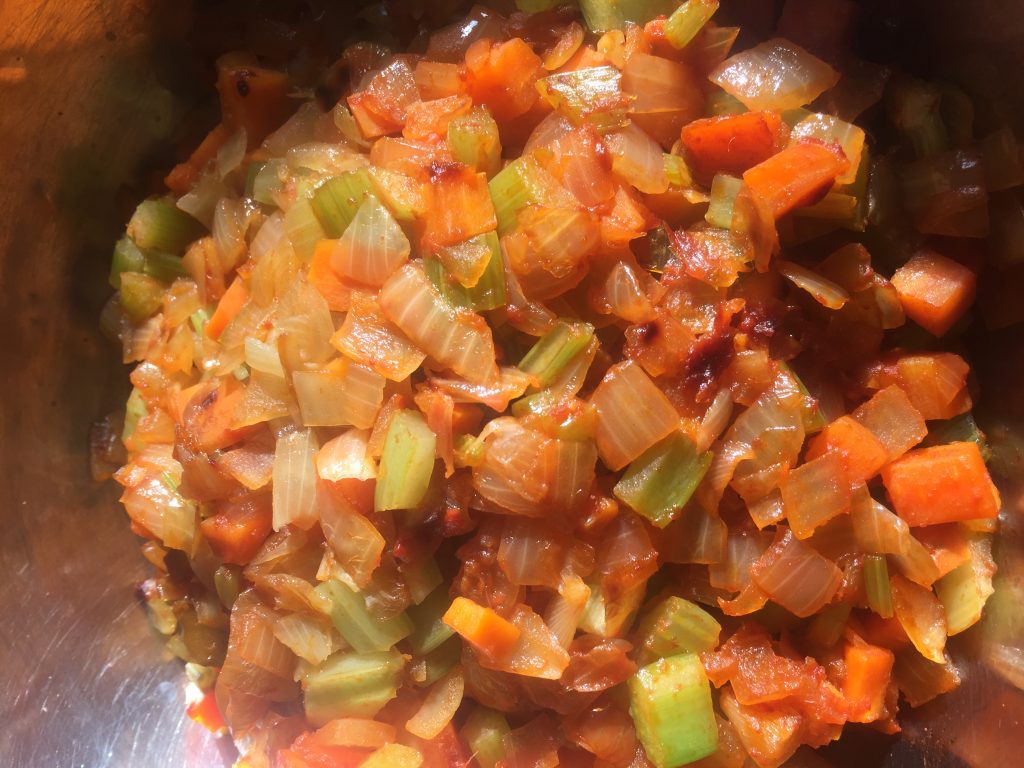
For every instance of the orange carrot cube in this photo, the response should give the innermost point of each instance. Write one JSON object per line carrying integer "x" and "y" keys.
{"x": 935, "y": 291}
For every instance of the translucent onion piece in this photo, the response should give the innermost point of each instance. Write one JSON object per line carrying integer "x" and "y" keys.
{"x": 795, "y": 576}
{"x": 564, "y": 610}
{"x": 816, "y": 492}
{"x": 893, "y": 420}
{"x": 458, "y": 339}
{"x": 263, "y": 357}
{"x": 625, "y": 295}
{"x": 743, "y": 550}
{"x": 573, "y": 474}
{"x": 715, "y": 420}
{"x": 372, "y": 247}
{"x": 295, "y": 479}
{"x": 511, "y": 383}
{"x": 776, "y": 74}
{"x": 310, "y": 638}
{"x": 305, "y": 325}
{"x": 591, "y": 95}
{"x": 368, "y": 337}
{"x": 632, "y": 414}
{"x": 921, "y": 615}
{"x": 356, "y": 543}
{"x": 637, "y": 159}
{"x": 830, "y": 128}
{"x": 230, "y": 155}
{"x": 439, "y": 706}
{"x": 344, "y": 393}
{"x": 151, "y": 499}
{"x": 345, "y": 457}
{"x": 230, "y": 222}
{"x": 532, "y": 553}
{"x": 921, "y": 680}
{"x": 356, "y": 732}
{"x": 964, "y": 590}
{"x": 258, "y": 645}
{"x": 517, "y": 468}
{"x": 266, "y": 398}
{"x": 536, "y": 653}
{"x": 824, "y": 291}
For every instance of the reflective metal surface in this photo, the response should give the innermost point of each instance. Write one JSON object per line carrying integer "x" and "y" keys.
{"x": 92, "y": 96}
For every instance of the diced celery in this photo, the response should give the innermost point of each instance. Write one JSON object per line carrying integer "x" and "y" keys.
{"x": 658, "y": 484}
{"x": 677, "y": 171}
{"x": 267, "y": 181}
{"x": 141, "y": 295}
{"x": 723, "y": 199}
{"x": 828, "y": 624}
{"x": 134, "y": 410}
{"x": 876, "y": 585}
{"x": 352, "y": 685}
{"x": 303, "y": 228}
{"x": 469, "y": 451}
{"x": 394, "y": 755}
{"x": 518, "y": 184}
{"x": 199, "y": 319}
{"x": 430, "y": 632}
{"x": 603, "y": 15}
{"x": 592, "y": 95}
{"x": 353, "y": 620}
{"x": 165, "y": 267}
{"x": 127, "y": 258}
{"x": 475, "y": 141}
{"x": 488, "y": 293}
{"x": 336, "y": 201}
{"x": 406, "y": 463}
{"x": 687, "y": 20}
{"x": 676, "y": 626}
{"x": 959, "y": 429}
{"x": 964, "y": 591}
{"x": 401, "y": 195}
{"x": 431, "y": 667}
{"x": 718, "y": 103}
{"x": 555, "y": 349}
{"x": 483, "y": 732}
{"x": 228, "y": 581}
{"x": 159, "y": 225}
{"x": 670, "y": 702}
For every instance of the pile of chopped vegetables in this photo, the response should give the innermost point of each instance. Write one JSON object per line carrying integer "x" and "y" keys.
{"x": 574, "y": 391}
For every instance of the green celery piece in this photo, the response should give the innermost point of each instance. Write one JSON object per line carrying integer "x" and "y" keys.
{"x": 876, "y": 585}
{"x": 488, "y": 293}
{"x": 394, "y": 755}
{"x": 475, "y": 141}
{"x": 165, "y": 267}
{"x": 603, "y": 15}
{"x": 718, "y": 103}
{"x": 134, "y": 410}
{"x": 687, "y": 20}
{"x": 438, "y": 662}
{"x": 676, "y": 626}
{"x": 677, "y": 171}
{"x": 579, "y": 96}
{"x": 484, "y": 732}
{"x": 520, "y": 183}
{"x": 303, "y": 228}
{"x": 555, "y": 349}
{"x": 670, "y": 701}
{"x": 658, "y": 484}
{"x": 430, "y": 631}
{"x": 228, "y": 581}
{"x": 336, "y": 201}
{"x": 159, "y": 225}
{"x": 128, "y": 257}
{"x": 959, "y": 429}
{"x": 353, "y": 620}
{"x": 406, "y": 463}
{"x": 828, "y": 624}
{"x": 723, "y": 200}
{"x": 199, "y": 319}
{"x": 964, "y": 591}
{"x": 267, "y": 181}
{"x": 352, "y": 685}
{"x": 141, "y": 295}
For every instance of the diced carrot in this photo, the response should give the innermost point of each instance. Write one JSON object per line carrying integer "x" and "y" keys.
{"x": 798, "y": 175}
{"x": 428, "y": 120}
{"x": 947, "y": 545}
{"x": 207, "y": 713}
{"x": 868, "y": 672}
{"x": 230, "y": 305}
{"x": 935, "y": 382}
{"x": 307, "y": 752}
{"x": 237, "y": 531}
{"x": 481, "y": 626}
{"x": 322, "y": 276}
{"x": 941, "y": 484}
{"x": 502, "y": 76}
{"x": 888, "y": 633}
{"x": 935, "y": 291}
{"x": 893, "y": 419}
{"x": 732, "y": 144}
{"x": 371, "y": 124}
{"x": 435, "y": 80}
{"x": 184, "y": 175}
{"x": 209, "y": 418}
{"x": 253, "y": 98}
{"x": 584, "y": 58}
{"x": 459, "y": 206}
{"x": 466, "y": 419}
{"x": 862, "y": 452}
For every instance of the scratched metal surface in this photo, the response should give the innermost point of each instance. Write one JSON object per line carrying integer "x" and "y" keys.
{"x": 91, "y": 95}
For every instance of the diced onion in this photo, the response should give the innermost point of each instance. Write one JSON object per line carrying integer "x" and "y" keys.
{"x": 372, "y": 247}
{"x": 295, "y": 495}
{"x": 921, "y": 615}
{"x": 357, "y": 545}
{"x": 310, "y": 638}
{"x": 824, "y": 291}
{"x": 345, "y": 457}
{"x": 795, "y": 576}
{"x": 637, "y": 159}
{"x": 776, "y": 74}
{"x": 345, "y": 393}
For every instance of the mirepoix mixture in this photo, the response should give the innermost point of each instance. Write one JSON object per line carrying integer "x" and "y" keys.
{"x": 579, "y": 388}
